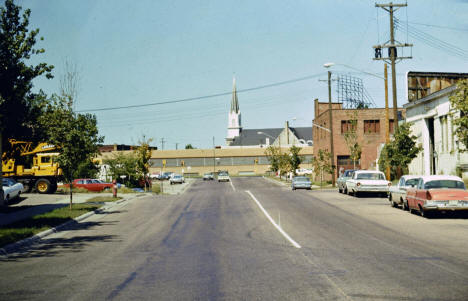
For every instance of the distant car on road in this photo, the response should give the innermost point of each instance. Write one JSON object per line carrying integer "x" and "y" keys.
{"x": 300, "y": 182}
{"x": 11, "y": 190}
{"x": 164, "y": 176}
{"x": 176, "y": 179}
{"x": 437, "y": 193}
{"x": 91, "y": 184}
{"x": 341, "y": 182}
{"x": 367, "y": 181}
{"x": 397, "y": 193}
{"x": 208, "y": 176}
{"x": 223, "y": 176}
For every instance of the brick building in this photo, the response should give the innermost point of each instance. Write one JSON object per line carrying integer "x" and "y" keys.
{"x": 370, "y": 132}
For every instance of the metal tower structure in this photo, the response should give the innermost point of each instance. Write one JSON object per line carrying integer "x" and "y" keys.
{"x": 351, "y": 92}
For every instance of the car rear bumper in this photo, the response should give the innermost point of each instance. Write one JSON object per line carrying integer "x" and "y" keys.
{"x": 446, "y": 206}
{"x": 371, "y": 189}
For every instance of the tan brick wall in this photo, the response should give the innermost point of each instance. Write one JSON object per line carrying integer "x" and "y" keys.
{"x": 216, "y": 153}
{"x": 369, "y": 142}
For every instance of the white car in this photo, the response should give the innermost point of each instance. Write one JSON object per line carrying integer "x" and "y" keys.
{"x": 176, "y": 179}
{"x": 223, "y": 176}
{"x": 11, "y": 190}
{"x": 397, "y": 194}
{"x": 367, "y": 181}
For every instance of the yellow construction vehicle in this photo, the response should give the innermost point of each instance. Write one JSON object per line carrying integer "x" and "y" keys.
{"x": 35, "y": 167}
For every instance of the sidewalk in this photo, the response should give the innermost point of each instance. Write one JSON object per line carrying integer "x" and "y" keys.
{"x": 43, "y": 203}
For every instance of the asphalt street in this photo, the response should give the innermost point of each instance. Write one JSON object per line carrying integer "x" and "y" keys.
{"x": 214, "y": 242}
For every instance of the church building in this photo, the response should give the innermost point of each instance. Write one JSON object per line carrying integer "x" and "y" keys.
{"x": 283, "y": 137}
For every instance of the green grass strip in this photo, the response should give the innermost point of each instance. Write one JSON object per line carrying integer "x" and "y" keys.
{"x": 31, "y": 226}
{"x": 103, "y": 199}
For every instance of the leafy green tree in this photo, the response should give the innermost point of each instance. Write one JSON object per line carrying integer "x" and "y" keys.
{"x": 272, "y": 153}
{"x": 87, "y": 169}
{"x": 399, "y": 153}
{"x": 351, "y": 139}
{"x": 294, "y": 158}
{"x": 19, "y": 106}
{"x": 459, "y": 102}
{"x": 321, "y": 164}
{"x": 189, "y": 146}
{"x": 123, "y": 164}
{"x": 76, "y": 135}
{"x": 143, "y": 155}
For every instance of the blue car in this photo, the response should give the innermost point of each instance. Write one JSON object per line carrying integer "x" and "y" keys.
{"x": 301, "y": 183}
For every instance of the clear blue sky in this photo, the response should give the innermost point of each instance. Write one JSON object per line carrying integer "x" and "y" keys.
{"x": 139, "y": 52}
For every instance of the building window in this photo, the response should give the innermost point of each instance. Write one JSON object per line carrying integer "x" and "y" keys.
{"x": 391, "y": 126}
{"x": 371, "y": 126}
{"x": 348, "y": 125}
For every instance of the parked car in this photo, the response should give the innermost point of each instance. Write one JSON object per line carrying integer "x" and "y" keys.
{"x": 208, "y": 176}
{"x": 223, "y": 176}
{"x": 164, "y": 176}
{"x": 397, "y": 193}
{"x": 367, "y": 181}
{"x": 300, "y": 182}
{"x": 91, "y": 184}
{"x": 341, "y": 182}
{"x": 176, "y": 179}
{"x": 11, "y": 190}
{"x": 437, "y": 193}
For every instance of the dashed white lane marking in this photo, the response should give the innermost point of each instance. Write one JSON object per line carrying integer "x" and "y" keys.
{"x": 232, "y": 185}
{"x": 295, "y": 244}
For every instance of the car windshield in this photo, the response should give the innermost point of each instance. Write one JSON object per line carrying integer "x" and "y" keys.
{"x": 301, "y": 179}
{"x": 348, "y": 173}
{"x": 223, "y": 174}
{"x": 444, "y": 184}
{"x": 412, "y": 182}
{"x": 370, "y": 176}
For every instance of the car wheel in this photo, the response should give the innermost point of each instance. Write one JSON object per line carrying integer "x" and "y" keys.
{"x": 43, "y": 186}
{"x": 7, "y": 200}
{"x": 404, "y": 206}
{"x": 424, "y": 213}
{"x": 345, "y": 190}
{"x": 356, "y": 193}
{"x": 339, "y": 189}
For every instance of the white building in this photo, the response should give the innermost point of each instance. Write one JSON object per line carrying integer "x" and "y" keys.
{"x": 432, "y": 122}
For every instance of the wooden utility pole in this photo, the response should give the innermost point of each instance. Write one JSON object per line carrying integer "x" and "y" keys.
{"x": 330, "y": 116}
{"x": 392, "y": 53}
{"x": 387, "y": 125}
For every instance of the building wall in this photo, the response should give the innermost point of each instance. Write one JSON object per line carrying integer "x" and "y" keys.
{"x": 444, "y": 158}
{"x": 237, "y": 161}
{"x": 370, "y": 142}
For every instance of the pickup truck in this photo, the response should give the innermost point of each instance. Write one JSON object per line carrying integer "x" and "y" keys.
{"x": 437, "y": 193}
{"x": 397, "y": 193}
{"x": 367, "y": 181}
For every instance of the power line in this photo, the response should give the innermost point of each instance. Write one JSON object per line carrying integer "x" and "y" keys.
{"x": 439, "y": 26}
{"x": 206, "y": 96}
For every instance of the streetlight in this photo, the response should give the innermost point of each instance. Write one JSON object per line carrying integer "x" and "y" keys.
{"x": 328, "y": 130}
{"x": 330, "y": 117}
{"x": 395, "y": 109}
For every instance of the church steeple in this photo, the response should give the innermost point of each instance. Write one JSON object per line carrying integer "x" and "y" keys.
{"x": 234, "y": 102}
{"x": 234, "y": 121}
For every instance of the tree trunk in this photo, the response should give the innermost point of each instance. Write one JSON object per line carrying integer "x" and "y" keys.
{"x": 71, "y": 195}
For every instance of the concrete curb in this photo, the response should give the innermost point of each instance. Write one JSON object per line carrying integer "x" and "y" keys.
{"x": 275, "y": 181}
{"x": 31, "y": 240}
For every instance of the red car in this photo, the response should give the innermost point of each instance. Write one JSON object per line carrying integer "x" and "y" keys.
{"x": 437, "y": 193}
{"x": 92, "y": 184}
